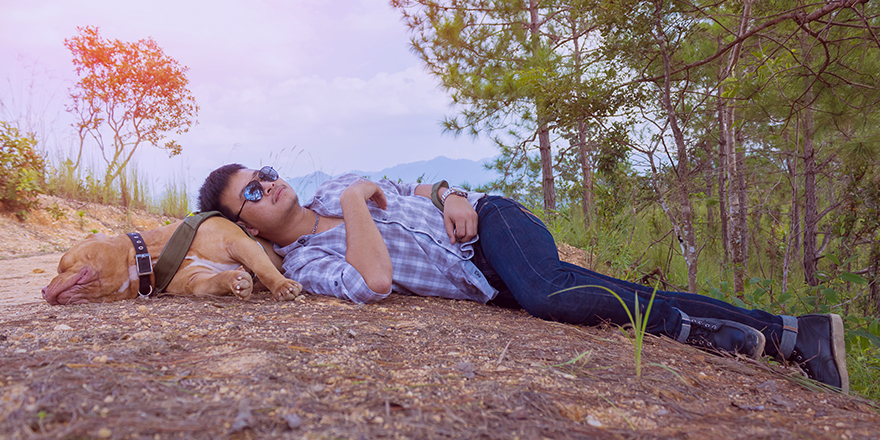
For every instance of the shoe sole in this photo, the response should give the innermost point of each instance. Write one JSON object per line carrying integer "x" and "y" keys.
{"x": 838, "y": 350}
{"x": 759, "y": 348}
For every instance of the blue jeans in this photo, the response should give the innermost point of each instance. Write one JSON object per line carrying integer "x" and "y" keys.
{"x": 518, "y": 256}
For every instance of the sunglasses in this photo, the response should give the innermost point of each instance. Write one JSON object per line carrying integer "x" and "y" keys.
{"x": 253, "y": 191}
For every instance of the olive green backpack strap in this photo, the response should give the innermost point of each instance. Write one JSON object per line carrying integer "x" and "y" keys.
{"x": 175, "y": 250}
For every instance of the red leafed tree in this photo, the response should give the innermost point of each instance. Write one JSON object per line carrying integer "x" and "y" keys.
{"x": 128, "y": 94}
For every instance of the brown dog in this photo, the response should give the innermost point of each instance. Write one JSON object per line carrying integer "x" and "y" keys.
{"x": 102, "y": 269}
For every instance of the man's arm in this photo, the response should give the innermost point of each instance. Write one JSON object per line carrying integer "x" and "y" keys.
{"x": 365, "y": 248}
{"x": 459, "y": 216}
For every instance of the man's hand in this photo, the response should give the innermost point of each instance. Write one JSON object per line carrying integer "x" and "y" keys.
{"x": 459, "y": 216}
{"x": 366, "y": 190}
{"x": 460, "y": 219}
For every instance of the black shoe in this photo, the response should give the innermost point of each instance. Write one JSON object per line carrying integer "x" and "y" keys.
{"x": 721, "y": 335}
{"x": 820, "y": 350}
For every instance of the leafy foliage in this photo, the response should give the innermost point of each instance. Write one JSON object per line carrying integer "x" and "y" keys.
{"x": 128, "y": 94}
{"x": 22, "y": 169}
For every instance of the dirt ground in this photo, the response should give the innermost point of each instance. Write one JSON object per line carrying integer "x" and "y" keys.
{"x": 408, "y": 367}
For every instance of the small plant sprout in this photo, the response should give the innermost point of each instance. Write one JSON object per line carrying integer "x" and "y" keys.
{"x": 639, "y": 323}
{"x": 55, "y": 211}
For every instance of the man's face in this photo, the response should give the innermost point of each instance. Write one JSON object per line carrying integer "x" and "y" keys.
{"x": 277, "y": 202}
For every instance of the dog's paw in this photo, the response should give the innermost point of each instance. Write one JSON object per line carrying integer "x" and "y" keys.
{"x": 288, "y": 291}
{"x": 243, "y": 285}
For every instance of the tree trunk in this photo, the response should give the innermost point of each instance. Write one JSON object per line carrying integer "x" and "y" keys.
{"x": 722, "y": 177}
{"x": 811, "y": 202}
{"x": 707, "y": 167}
{"x": 687, "y": 237}
{"x": 586, "y": 174}
{"x": 547, "y": 180}
{"x": 547, "y": 169}
{"x": 874, "y": 286}
{"x": 875, "y": 293}
{"x": 736, "y": 234}
{"x": 743, "y": 215}
{"x": 737, "y": 231}
{"x": 792, "y": 247}
{"x": 584, "y": 150}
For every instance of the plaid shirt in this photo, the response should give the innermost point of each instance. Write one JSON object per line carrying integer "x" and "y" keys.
{"x": 423, "y": 261}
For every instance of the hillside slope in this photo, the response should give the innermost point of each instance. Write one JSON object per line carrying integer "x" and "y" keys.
{"x": 407, "y": 367}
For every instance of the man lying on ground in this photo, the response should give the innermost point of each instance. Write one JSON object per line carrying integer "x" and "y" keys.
{"x": 360, "y": 240}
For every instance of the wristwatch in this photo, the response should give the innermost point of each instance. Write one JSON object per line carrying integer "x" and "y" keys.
{"x": 453, "y": 190}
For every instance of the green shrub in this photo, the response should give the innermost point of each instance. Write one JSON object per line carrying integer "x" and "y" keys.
{"x": 22, "y": 170}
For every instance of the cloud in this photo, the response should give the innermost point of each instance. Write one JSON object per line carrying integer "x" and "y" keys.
{"x": 317, "y": 84}
{"x": 410, "y": 91}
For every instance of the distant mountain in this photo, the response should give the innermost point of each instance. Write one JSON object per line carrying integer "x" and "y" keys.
{"x": 459, "y": 172}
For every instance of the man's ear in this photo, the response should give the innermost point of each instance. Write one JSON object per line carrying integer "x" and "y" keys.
{"x": 253, "y": 231}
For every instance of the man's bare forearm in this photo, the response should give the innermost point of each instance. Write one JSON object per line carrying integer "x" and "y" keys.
{"x": 424, "y": 190}
{"x": 365, "y": 248}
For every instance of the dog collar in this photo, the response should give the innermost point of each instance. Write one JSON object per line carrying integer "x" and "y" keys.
{"x": 144, "y": 264}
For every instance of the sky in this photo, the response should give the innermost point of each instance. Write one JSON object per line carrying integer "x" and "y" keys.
{"x": 304, "y": 85}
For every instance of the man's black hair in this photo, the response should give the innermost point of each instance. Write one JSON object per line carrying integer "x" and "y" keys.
{"x": 212, "y": 189}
